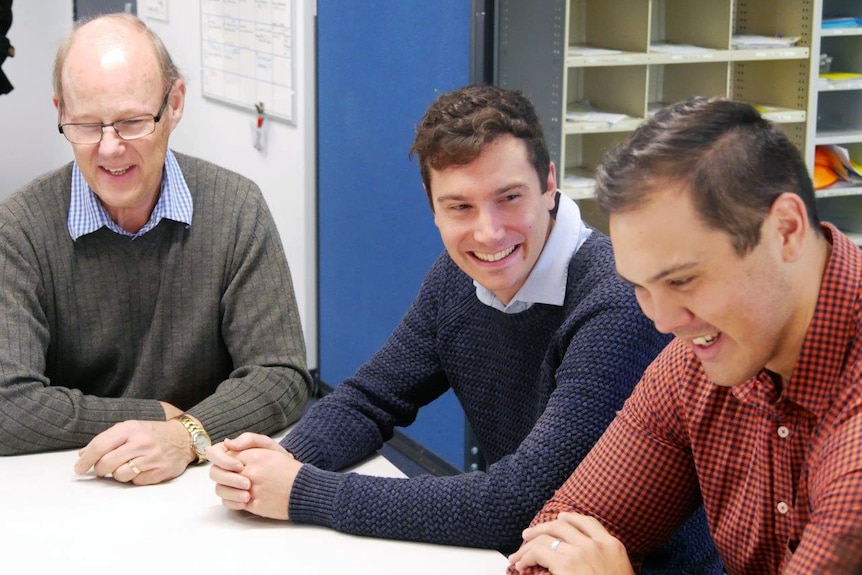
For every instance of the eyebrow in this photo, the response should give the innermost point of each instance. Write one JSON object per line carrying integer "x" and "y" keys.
{"x": 662, "y": 274}
{"x": 498, "y": 192}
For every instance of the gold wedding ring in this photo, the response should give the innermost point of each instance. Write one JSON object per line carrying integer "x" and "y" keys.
{"x": 133, "y": 467}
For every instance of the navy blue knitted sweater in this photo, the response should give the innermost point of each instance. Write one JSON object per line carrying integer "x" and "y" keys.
{"x": 538, "y": 388}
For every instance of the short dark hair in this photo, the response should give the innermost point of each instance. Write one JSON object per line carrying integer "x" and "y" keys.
{"x": 731, "y": 160}
{"x": 460, "y": 124}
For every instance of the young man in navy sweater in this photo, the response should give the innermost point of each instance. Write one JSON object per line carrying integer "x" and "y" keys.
{"x": 523, "y": 316}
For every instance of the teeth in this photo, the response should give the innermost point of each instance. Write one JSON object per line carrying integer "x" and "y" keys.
{"x": 704, "y": 340}
{"x": 494, "y": 257}
{"x": 118, "y": 172}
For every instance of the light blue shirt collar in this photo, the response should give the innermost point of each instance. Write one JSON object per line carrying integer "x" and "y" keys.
{"x": 547, "y": 280}
{"x": 86, "y": 213}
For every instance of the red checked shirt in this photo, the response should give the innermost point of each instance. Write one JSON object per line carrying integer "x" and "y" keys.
{"x": 780, "y": 473}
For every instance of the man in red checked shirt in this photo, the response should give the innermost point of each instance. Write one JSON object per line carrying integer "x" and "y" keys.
{"x": 755, "y": 408}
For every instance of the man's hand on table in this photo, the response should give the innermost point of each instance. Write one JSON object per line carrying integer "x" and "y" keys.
{"x": 253, "y": 473}
{"x": 140, "y": 452}
{"x": 572, "y": 544}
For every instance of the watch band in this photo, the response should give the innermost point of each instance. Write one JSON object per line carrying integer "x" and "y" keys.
{"x": 199, "y": 439}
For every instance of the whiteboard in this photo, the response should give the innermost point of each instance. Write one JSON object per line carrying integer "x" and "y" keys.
{"x": 247, "y": 54}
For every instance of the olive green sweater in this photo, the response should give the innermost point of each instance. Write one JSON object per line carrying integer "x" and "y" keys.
{"x": 96, "y": 331}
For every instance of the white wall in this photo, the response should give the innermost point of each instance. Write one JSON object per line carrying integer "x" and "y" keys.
{"x": 285, "y": 170}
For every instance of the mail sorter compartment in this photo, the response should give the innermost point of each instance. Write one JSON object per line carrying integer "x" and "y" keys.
{"x": 842, "y": 9}
{"x": 701, "y": 23}
{"x": 796, "y": 132}
{"x": 845, "y": 211}
{"x": 669, "y": 83}
{"x": 839, "y": 117}
{"x": 583, "y": 152}
{"x": 854, "y": 153}
{"x": 605, "y": 98}
{"x": 778, "y": 88}
{"x": 619, "y": 25}
{"x": 844, "y": 52}
{"x": 775, "y": 18}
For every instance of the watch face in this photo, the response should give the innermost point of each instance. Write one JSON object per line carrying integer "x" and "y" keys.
{"x": 201, "y": 443}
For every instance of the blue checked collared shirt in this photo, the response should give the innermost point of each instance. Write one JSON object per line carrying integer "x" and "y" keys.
{"x": 547, "y": 280}
{"x": 86, "y": 213}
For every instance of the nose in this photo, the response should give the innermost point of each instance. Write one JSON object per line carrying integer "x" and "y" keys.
{"x": 111, "y": 143}
{"x": 665, "y": 311}
{"x": 489, "y": 227}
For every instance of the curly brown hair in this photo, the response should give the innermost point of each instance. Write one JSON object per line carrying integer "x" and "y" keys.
{"x": 460, "y": 124}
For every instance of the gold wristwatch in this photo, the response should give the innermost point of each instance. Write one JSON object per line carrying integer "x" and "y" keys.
{"x": 200, "y": 439}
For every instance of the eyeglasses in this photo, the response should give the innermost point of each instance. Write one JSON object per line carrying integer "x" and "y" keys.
{"x": 128, "y": 129}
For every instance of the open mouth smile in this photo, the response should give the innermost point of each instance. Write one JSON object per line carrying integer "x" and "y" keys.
{"x": 704, "y": 340}
{"x": 496, "y": 256}
{"x": 118, "y": 172}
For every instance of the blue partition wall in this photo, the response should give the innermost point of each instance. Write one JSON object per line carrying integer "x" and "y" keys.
{"x": 380, "y": 64}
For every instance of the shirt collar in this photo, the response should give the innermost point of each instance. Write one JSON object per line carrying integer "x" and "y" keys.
{"x": 86, "y": 213}
{"x": 547, "y": 280}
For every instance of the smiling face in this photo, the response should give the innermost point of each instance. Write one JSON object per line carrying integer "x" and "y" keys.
{"x": 111, "y": 73}
{"x": 736, "y": 312}
{"x": 493, "y": 215}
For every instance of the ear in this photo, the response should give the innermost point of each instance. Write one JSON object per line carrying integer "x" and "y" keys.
{"x": 551, "y": 185}
{"x": 176, "y": 103}
{"x": 788, "y": 221}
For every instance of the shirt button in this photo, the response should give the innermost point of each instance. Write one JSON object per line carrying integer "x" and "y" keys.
{"x": 783, "y": 508}
{"x": 783, "y": 432}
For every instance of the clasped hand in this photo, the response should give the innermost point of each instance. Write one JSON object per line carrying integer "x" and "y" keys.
{"x": 253, "y": 473}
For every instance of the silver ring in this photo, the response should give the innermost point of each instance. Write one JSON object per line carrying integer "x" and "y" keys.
{"x": 554, "y": 544}
{"x": 133, "y": 467}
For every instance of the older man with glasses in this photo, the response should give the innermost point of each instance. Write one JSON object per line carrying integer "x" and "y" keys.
{"x": 146, "y": 306}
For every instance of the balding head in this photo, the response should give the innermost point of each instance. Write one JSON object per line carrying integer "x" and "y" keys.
{"x": 107, "y": 42}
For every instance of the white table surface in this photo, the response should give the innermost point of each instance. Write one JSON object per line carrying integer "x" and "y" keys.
{"x": 53, "y": 521}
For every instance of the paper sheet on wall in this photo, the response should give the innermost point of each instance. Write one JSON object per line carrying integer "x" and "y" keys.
{"x": 247, "y": 54}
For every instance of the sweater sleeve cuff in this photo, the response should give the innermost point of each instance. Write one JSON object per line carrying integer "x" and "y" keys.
{"x": 312, "y": 498}
{"x": 303, "y": 448}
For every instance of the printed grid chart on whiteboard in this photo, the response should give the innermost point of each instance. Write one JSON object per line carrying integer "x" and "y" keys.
{"x": 247, "y": 54}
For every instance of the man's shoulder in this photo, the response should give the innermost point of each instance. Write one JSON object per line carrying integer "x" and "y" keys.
{"x": 594, "y": 289}
{"x": 197, "y": 170}
{"x": 191, "y": 163}
{"x": 592, "y": 270}
{"x": 57, "y": 180}
{"x": 596, "y": 251}
{"x": 219, "y": 190}
{"x": 445, "y": 286}
{"x": 446, "y": 274}
{"x": 47, "y": 193}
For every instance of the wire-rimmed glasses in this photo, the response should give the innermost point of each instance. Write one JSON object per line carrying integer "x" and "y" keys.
{"x": 128, "y": 129}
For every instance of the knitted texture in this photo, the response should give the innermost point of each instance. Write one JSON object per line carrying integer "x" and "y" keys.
{"x": 94, "y": 332}
{"x": 538, "y": 389}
